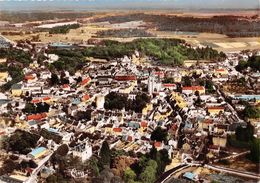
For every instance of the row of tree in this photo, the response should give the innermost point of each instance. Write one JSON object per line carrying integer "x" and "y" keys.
{"x": 124, "y": 33}
{"x": 253, "y": 63}
{"x": 64, "y": 29}
{"x": 119, "y": 101}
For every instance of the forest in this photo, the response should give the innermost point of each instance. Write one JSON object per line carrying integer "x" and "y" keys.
{"x": 124, "y": 33}
{"x": 165, "y": 51}
{"x": 233, "y": 26}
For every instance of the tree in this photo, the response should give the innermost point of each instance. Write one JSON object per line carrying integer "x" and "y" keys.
{"x": 242, "y": 65}
{"x": 56, "y": 178}
{"x": 105, "y": 154}
{"x": 129, "y": 175}
{"x": 255, "y": 151}
{"x": 161, "y": 157}
{"x": 186, "y": 81}
{"x": 93, "y": 165}
{"x": 153, "y": 153}
{"x": 197, "y": 93}
{"x": 29, "y": 108}
{"x": 8, "y": 166}
{"x": 115, "y": 101}
{"x": 54, "y": 79}
{"x": 209, "y": 85}
{"x": 62, "y": 150}
{"x": 251, "y": 112}
{"x": 159, "y": 135}
{"x": 140, "y": 102}
{"x": 86, "y": 115}
{"x": 20, "y": 141}
{"x": 149, "y": 173}
{"x": 42, "y": 107}
{"x": 245, "y": 134}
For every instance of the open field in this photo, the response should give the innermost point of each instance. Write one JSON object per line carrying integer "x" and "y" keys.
{"x": 92, "y": 23}
{"x": 217, "y": 41}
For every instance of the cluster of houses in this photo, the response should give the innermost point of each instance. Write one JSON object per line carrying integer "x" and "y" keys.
{"x": 76, "y": 110}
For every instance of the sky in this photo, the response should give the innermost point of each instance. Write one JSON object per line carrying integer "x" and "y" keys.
{"x": 127, "y": 4}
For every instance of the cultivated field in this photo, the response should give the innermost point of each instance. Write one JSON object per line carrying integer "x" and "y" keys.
{"x": 89, "y": 29}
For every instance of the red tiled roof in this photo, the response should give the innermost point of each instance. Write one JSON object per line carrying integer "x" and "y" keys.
{"x": 46, "y": 98}
{"x": 216, "y": 108}
{"x": 193, "y": 88}
{"x": 169, "y": 85}
{"x": 35, "y": 101}
{"x": 37, "y": 116}
{"x": 29, "y": 77}
{"x": 117, "y": 129}
{"x": 85, "y": 81}
{"x": 125, "y": 78}
{"x": 66, "y": 86}
{"x": 208, "y": 121}
{"x": 85, "y": 97}
{"x": 157, "y": 144}
{"x": 144, "y": 124}
{"x": 159, "y": 73}
{"x": 174, "y": 126}
{"x": 130, "y": 138}
{"x": 220, "y": 70}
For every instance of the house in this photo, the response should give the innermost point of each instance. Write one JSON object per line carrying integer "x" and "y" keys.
{"x": 134, "y": 124}
{"x": 220, "y": 141}
{"x": 159, "y": 74}
{"x": 186, "y": 147}
{"x": 3, "y": 76}
{"x": 170, "y": 86}
{"x": 117, "y": 131}
{"x": 33, "y": 88}
{"x": 38, "y": 153}
{"x": 14, "y": 178}
{"x": 144, "y": 124}
{"x": 221, "y": 71}
{"x": 36, "y": 117}
{"x": 100, "y": 101}
{"x": 30, "y": 78}
{"x": 84, "y": 151}
{"x": 85, "y": 98}
{"x": 125, "y": 78}
{"x": 85, "y": 81}
{"x": 190, "y": 176}
{"x": 16, "y": 90}
{"x": 215, "y": 110}
{"x": 220, "y": 128}
{"x": 204, "y": 125}
{"x": 192, "y": 89}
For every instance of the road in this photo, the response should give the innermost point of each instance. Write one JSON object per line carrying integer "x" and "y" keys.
{"x": 234, "y": 112}
{"x": 233, "y": 156}
{"x": 169, "y": 175}
{"x": 234, "y": 172}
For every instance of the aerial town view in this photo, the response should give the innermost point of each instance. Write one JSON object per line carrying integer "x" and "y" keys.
{"x": 129, "y": 91}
